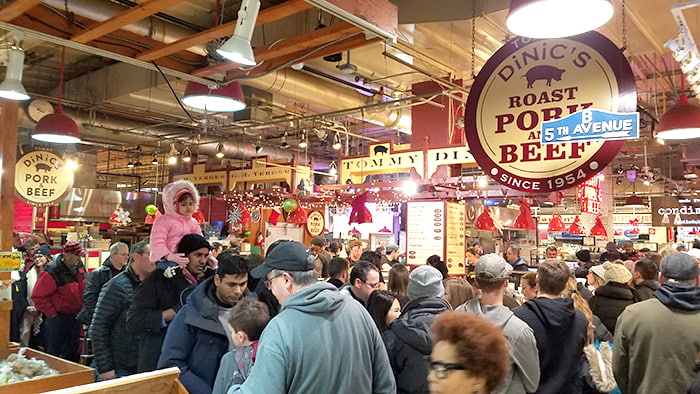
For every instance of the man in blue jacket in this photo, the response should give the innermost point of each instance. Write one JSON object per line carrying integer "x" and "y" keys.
{"x": 199, "y": 335}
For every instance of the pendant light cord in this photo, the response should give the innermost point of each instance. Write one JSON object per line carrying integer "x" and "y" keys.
{"x": 60, "y": 79}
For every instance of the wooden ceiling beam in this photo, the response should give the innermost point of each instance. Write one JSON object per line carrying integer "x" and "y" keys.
{"x": 16, "y": 8}
{"x": 342, "y": 46}
{"x": 268, "y": 15}
{"x": 46, "y": 21}
{"x": 136, "y": 13}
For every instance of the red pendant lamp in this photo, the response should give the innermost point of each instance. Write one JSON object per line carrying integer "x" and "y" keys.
{"x": 485, "y": 221}
{"x": 556, "y": 225}
{"x": 598, "y": 229}
{"x": 681, "y": 122}
{"x": 57, "y": 128}
{"x": 524, "y": 220}
{"x": 575, "y": 228}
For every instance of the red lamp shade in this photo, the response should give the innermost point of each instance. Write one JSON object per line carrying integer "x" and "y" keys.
{"x": 485, "y": 221}
{"x": 227, "y": 98}
{"x": 599, "y": 229}
{"x": 524, "y": 220}
{"x": 681, "y": 122}
{"x": 634, "y": 201}
{"x": 556, "y": 225}
{"x": 575, "y": 228}
{"x": 57, "y": 128}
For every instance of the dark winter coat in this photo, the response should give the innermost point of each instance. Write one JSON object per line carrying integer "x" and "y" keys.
{"x": 560, "y": 331}
{"x": 646, "y": 288}
{"x": 610, "y": 300}
{"x": 114, "y": 348}
{"x": 95, "y": 281}
{"x": 196, "y": 340}
{"x": 145, "y": 316}
{"x": 19, "y": 305}
{"x": 59, "y": 289}
{"x": 409, "y": 339}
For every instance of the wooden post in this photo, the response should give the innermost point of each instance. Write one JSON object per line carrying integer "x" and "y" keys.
{"x": 8, "y": 157}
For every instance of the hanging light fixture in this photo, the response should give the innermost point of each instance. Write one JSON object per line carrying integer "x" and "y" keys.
{"x": 172, "y": 155}
{"x": 304, "y": 140}
{"x": 130, "y": 163}
{"x": 681, "y": 122}
{"x": 332, "y": 169}
{"x": 634, "y": 201}
{"x": 186, "y": 155}
{"x": 336, "y": 141}
{"x": 154, "y": 161}
{"x": 237, "y": 48}
{"x": 557, "y": 18}
{"x": 556, "y": 225}
{"x": 220, "y": 150}
{"x": 284, "y": 144}
{"x": 57, "y": 127}
{"x": 226, "y": 98}
{"x": 11, "y": 88}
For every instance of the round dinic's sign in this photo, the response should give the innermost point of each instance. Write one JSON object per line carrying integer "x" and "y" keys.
{"x": 529, "y": 81}
{"x": 41, "y": 178}
{"x": 315, "y": 223}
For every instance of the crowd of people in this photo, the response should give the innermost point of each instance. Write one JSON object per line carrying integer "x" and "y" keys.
{"x": 303, "y": 319}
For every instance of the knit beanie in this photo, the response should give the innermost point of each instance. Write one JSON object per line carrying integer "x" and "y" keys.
{"x": 584, "y": 255}
{"x": 191, "y": 242}
{"x": 425, "y": 281}
{"x": 616, "y": 273}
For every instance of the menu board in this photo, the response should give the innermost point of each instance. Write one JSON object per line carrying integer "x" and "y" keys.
{"x": 425, "y": 231}
{"x": 454, "y": 238}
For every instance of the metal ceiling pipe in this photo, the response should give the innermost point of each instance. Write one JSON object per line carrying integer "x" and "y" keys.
{"x": 154, "y": 28}
{"x": 113, "y": 131}
{"x": 331, "y": 96}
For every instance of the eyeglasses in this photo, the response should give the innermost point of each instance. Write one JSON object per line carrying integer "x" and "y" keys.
{"x": 441, "y": 368}
{"x": 372, "y": 285}
{"x": 268, "y": 282}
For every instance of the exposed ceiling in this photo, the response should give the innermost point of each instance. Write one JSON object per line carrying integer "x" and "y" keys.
{"x": 125, "y": 108}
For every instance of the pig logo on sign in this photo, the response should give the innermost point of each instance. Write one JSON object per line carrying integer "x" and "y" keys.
{"x": 42, "y": 166}
{"x": 546, "y": 73}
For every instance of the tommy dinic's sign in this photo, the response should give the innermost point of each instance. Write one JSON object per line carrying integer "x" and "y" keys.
{"x": 384, "y": 159}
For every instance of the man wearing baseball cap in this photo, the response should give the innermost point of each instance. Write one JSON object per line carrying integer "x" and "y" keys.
{"x": 58, "y": 293}
{"x": 314, "y": 316}
{"x": 492, "y": 274}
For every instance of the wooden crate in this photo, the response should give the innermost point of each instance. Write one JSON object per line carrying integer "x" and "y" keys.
{"x": 162, "y": 381}
{"x": 71, "y": 374}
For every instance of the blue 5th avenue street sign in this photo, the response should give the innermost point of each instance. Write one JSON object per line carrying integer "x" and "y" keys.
{"x": 591, "y": 125}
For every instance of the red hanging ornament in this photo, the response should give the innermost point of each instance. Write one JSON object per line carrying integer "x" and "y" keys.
{"x": 274, "y": 216}
{"x": 599, "y": 229}
{"x": 556, "y": 225}
{"x": 575, "y": 228}
{"x": 485, "y": 221}
{"x": 360, "y": 214}
{"x": 524, "y": 220}
{"x": 298, "y": 216}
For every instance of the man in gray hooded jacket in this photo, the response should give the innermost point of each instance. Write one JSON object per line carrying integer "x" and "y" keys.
{"x": 321, "y": 341}
{"x": 492, "y": 272}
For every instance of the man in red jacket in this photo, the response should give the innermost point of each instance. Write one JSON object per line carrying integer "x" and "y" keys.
{"x": 58, "y": 294}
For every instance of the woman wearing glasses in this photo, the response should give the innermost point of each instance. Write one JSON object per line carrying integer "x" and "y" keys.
{"x": 469, "y": 355}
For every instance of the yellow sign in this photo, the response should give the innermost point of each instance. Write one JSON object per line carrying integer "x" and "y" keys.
{"x": 41, "y": 178}
{"x": 200, "y": 176}
{"x": 261, "y": 174}
{"x": 10, "y": 261}
{"x": 315, "y": 223}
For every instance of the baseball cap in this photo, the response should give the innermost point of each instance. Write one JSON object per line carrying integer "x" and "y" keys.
{"x": 44, "y": 250}
{"x": 287, "y": 256}
{"x": 492, "y": 267}
{"x": 74, "y": 247}
{"x": 391, "y": 248}
{"x": 318, "y": 241}
{"x": 679, "y": 266}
